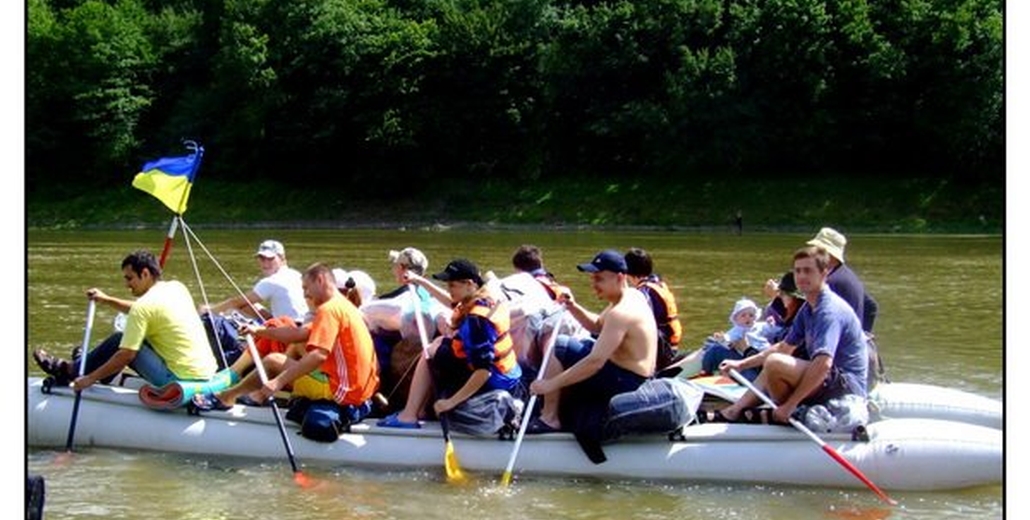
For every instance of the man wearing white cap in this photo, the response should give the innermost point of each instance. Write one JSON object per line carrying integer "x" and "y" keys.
{"x": 843, "y": 280}
{"x": 280, "y": 288}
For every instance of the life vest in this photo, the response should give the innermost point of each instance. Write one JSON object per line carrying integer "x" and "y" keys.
{"x": 552, "y": 287}
{"x": 668, "y": 315}
{"x": 504, "y": 348}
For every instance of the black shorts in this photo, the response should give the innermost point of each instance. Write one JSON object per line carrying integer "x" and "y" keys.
{"x": 833, "y": 387}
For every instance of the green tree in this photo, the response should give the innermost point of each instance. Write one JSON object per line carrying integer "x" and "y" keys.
{"x": 97, "y": 61}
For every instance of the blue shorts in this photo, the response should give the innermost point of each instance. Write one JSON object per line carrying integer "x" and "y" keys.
{"x": 609, "y": 381}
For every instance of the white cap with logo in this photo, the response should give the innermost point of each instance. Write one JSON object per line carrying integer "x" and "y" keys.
{"x": 271, "y": 249}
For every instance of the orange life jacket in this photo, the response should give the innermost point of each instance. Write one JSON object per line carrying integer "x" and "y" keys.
{"x": 667, "y": 316}
{"x": 552, "y": 287}
{"x": 504, "y": 351}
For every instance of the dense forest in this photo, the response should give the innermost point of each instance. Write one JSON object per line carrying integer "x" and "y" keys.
{"x": 348, "y": 93}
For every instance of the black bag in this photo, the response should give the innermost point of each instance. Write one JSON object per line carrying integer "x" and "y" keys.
{"x": 324, "y": 420}
{"x": 658, "y": 406}
{"x": 222, "y": 331}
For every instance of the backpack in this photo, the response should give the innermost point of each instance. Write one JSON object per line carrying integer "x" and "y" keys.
{"x": 487, "y": 413}
{"x": 324, "y": 420}
{"x": 659, "y": 405}
{"x": 222, "y": 331}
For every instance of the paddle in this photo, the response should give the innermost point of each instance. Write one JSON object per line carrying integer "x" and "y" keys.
{"x": 90, "y": 313}
{"x": 298, "y": 477}
{"x": 506, "y": 477}
{"x": 827, "y": 448}
{"x": 450, "y": 459}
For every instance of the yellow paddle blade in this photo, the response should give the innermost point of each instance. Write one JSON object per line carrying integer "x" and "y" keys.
{"x": 506, "y": 479}
{"x": 450, "y": 462}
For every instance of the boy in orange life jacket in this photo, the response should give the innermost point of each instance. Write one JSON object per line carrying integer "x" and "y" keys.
{"x": 640, "y": 271}
{"x": 339, "y": 364}
{"x": 477, "y": 358}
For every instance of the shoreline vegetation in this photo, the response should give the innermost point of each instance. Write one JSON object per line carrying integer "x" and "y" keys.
{"x": 921, "y": 206}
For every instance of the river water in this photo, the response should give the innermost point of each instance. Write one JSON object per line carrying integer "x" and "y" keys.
{"x": 940, "y": 322}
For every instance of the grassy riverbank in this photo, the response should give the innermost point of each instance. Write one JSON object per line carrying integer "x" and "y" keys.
{"x": 894, "y": 206}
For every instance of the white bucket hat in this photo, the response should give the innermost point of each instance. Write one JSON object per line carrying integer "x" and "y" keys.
{"x": 742, "y": 305}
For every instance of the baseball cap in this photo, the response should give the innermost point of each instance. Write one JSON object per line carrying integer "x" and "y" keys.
{"x": 460, "y": 269}
{"x": 271, "y": 249}
{"x": 607, "y": 260}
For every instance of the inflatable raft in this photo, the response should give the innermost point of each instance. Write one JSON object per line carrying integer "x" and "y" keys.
{"x": 899, "y": 454}
{"x": 898, "y": 401}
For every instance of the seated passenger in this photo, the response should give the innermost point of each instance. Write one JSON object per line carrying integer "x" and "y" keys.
{"x": 391, "y": 320}
{"x": 531, "y": 292}
{"x": 747, "y": 336}
{"x": 838, "y": 360}
{"x": 339, "y": 366}
{"x": 478, "y": 357}
{"x": 279, "y": 287}
{"x": 163, "y": 341}
{"x": 641, "y": 273}
{"x": 584, "y": 375}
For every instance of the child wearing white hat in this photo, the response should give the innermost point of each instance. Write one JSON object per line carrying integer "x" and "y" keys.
{"x": 747, "y": 336}
{"x": 747, "y": 330}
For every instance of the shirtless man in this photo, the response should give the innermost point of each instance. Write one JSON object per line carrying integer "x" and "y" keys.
{"x": 622, "y": 357}
{"x": 833, "y": 336}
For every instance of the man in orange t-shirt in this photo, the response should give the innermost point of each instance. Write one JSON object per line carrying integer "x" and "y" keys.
{"x": 339, "y": 366}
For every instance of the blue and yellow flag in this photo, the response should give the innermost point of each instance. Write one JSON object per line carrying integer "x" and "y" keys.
{"x": 169, "y": 179}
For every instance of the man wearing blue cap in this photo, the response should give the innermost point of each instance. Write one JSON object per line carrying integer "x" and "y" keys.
{"x": 619, "y": 360}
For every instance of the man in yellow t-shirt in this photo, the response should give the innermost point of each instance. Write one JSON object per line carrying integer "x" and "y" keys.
{"x": 164, "y": 340}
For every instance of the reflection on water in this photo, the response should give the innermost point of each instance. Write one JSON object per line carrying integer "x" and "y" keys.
{"x": 940, "y": 322}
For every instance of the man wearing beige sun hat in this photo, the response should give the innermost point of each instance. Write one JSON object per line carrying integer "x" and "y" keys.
{"x": 843, "y": 280}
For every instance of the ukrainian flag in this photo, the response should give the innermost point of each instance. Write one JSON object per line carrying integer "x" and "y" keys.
{"x": 169, "y": 179}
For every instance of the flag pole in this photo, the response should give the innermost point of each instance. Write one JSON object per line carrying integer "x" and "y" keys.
{"x": 168, "y": 240}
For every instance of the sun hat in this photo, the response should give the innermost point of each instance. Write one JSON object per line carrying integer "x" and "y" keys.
{"x": 742, "y": 305}
{"x": 460, "y": 269}
{"x": 410, "y": 258}
{"x": 832, "y": 241}
{"x": 607, "y": 260}
{"x": 271, "y": 249}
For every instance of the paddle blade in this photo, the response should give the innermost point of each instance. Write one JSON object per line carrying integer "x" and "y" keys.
{"x": 450, "y": 461}
{"x": 303, "y": 480}
{"x": 855, "y": 471}
{"x": 506, "y": 479}
{"x": 63, "y": 458}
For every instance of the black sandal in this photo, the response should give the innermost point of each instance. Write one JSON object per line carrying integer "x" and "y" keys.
{"x": 712, "y": 416}
{"x": 53, "y": 366}
{"x": 758, "y": 416}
